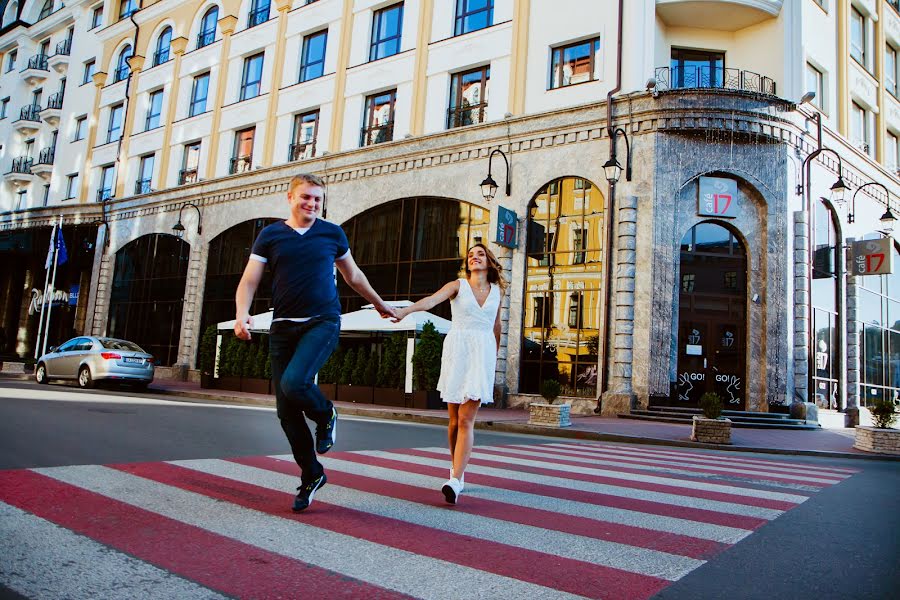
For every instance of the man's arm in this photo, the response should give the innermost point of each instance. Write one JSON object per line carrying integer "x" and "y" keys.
{"x": 246, "y": 289}
{"x": 357, "y": 280}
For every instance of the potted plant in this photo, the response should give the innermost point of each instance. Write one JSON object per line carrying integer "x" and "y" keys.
{"x": 208, "y": 357}
{"x": 391, "y": 373}
{"x": 881, "y": 438}
{"x": 426, "y": 366}
{"x": 548, "y": 414}
{"x": 711, "y": 427}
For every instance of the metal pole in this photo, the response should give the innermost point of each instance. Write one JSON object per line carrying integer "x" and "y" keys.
{"x": 37, "y": 343}
{"x": 52, "y": 287}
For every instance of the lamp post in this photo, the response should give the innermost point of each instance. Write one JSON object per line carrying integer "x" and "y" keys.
{"x": 887, "y": 219}
{"x": 178, "y": 228}
{"x": 489, "y": 186}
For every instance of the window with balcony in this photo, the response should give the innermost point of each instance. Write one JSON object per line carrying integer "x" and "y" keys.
{"x": 163, "y": 47}
{"x": 126, "y": 7}
{"x": 858, "y": 36}
{"x": 199, "y": 93}
{"x": 379, "y": 118}
{"x": 815, "y": 82}
{"x": 891, "y": 152}
{"x": 46, "y": 10}
{"x": 11, "y": 60}
{"x": 259, "y": 12}
{"x": 697, "y": 68}
{"x": 472, "y": 15}
{"x": 114, "y": 129}
{"x": 468, "y": 97}
{"x": 190, "y": 164}
{"x": 242, "y": 153}
{"x": 890, "y": 70}
{"x": 575, "y": 63}
{"x": 251, "y": 80}
{"x": 97, "y": 17}
{"x": 71, "y": 186}
{"x": 90, "y": 67}
{"x": 154, "y": 110}
{"x": 207, "y": 33}
{"x": 312, "y": 58}
{"x": 4, "y": 107}
{"x": 80, "y": 128}
{"x": 859, "y": 128}
{"x": 122, "y": 68}
{"x": 145, "y": 175}
{"x": 306, "y": 128}
{"x": 387, "y": 28}
{"x": 107, "y": 181}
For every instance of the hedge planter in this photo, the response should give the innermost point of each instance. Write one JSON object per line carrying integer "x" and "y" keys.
{"x": 207, "y": 381}
{"x": 427, "y": 400}
{"x": 361, "y": 394}
{"x": 711, "y": 431}
{"x": 254, "y": 385}
{"x": 227, "y": 382}
{"x": 329, "y": 390}
{"x": 549, "y": 415}
{"x": 875, "y": 439}
{"x": 390, "y": 397}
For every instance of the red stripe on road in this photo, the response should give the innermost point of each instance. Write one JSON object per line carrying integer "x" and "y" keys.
{"x": 217, "y": 562}
{"x": 573, "y": 576}
{"x": 640, "y": 537}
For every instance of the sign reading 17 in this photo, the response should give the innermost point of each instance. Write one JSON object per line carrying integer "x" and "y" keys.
{"x": 872, "y": 257}
{"x": 872, "y": 262}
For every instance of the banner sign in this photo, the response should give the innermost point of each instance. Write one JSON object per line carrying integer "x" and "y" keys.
{"x": 506, "y": 227}
{"x": 872, "y": 257}
{"x": 717, "y": 197}
{"x": 73, "y": 294}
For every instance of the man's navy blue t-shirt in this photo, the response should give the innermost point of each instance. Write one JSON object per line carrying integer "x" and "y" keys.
{"x": 302, "y": 267}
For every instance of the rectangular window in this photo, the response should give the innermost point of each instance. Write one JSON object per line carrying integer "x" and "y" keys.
{"x": 576, "y": 63}
{"x": 97, "y": 17}
{"x": 543, "y": 311}
{"x": 80, "y": 128}
{"x": 190, "y": 164}
{"x": 550, "y": 240}
{"x": 114, "y": 129}
{"x": 22, "y": 202}
{"x": 312, "y": 59}
{"x": 857, "y": 36}
{"x": 126, "y": 7}
{"x": 892, "y": 152}
{"x": 259, "y": 12}
{"x": 472, "y": 15}
{"x": 387, "y": 27}
{"x": 379, "y": 118}
{"x": 890, "y": 69}
{"x": 306, "y": 128}
{"x": 4, "y": 106}
{"x": 105, "y": 191}
{"x": 575, "y": 310}
{"x": 145, "y": 175}
{"x": 242, "y": 155}
{"x": 46, "y": 197}
{"x": 579, "y": 244}
{"x": 468, "y": 97}
{"x": 251, "y": 80}
{"x": 697, "y": 68}
{"x": 11, "y": 60}
{"x": 198, "y": 95}
{"x": 89, "y": 68}
{"x": 154, "y": 110}
{"x": 815, "y": 82}
{"x": 859, "y": 130}
{"x": 71, "y": 186}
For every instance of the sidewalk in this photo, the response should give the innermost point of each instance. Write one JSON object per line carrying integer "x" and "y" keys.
{"x": 832, "y": 440}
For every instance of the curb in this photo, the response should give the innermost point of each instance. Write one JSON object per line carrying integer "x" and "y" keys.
{"x": 524, "y": 428}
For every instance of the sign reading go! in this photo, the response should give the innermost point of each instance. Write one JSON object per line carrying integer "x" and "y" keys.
{"x": 872, "y": 257}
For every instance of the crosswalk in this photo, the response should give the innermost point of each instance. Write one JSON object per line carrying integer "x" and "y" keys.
{"x": 557, "y": 520}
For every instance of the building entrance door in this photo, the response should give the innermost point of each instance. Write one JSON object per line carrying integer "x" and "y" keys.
{"x": 712, "y": 332}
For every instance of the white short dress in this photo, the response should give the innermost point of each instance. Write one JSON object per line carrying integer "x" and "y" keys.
{"x": 469, "y": 358}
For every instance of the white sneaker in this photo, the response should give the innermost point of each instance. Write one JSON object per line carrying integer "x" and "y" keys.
{"x": 462, "y": 480}
{"x": 451, "y": 490}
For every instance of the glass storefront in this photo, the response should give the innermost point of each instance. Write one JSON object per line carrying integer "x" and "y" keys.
{"x": 563, "y": 287}
{"x": 878, "y": 309}
{"x": 826, "y": 375}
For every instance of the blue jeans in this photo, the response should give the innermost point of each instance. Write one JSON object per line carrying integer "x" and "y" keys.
{"x": 297, "y": 352}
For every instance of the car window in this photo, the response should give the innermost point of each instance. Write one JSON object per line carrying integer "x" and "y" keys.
{"x": 85, "y": 345}
{"x": 70, "y": 345}
{"x": 111, "y": 344}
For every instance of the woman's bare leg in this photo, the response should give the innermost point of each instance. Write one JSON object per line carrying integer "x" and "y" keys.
{"x": 465, "y": 436}
{"x": 452, "y": 428}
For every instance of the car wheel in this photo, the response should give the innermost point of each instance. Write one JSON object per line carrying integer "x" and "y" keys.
{"x": 85, "y": 380}
{"x": 40, "y": 374}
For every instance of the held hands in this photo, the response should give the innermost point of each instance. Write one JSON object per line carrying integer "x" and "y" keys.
{"x": 386, "y": 311}
{"x": 399, "y": 314}
{"x": 242, "y": 328}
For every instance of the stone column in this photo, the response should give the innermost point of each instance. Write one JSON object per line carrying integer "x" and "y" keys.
{"x": 193, "y": 307}
{"x": 501, "y": 383}
{"x": 851, "y": 418}
{"x": 98, "y": 306}
{"x": 801, "y": 311}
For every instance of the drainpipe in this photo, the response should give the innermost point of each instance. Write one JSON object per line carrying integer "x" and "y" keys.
{"x": 134, "y": 41}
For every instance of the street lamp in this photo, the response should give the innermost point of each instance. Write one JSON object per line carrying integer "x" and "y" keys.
{"x": 612, "y": 168}
{"x": 489, "y": 186}
{"x": 178, "y": 228}
{"x": 887, "y": 219}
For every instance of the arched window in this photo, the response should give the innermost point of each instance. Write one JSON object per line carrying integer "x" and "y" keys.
{"x": 122, "y": 68}
{"x": 46, "y": 10}
{"x": 163, "y": 44}
{"x": 826, "y": 347}
{"x": 207, "y": 33}
{"x": 259, "y": 12}
{"x": 11, "y": 14}
{"x": 878, "y": 310}
{"x": 563, "y": 287}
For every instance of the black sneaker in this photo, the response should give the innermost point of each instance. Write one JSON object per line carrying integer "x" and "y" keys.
{"x": 325, "y": 436}
{"x": 306, "y": 492}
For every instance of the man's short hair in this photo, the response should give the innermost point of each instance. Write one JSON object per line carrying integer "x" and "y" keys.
{"x": 309, "y": 178}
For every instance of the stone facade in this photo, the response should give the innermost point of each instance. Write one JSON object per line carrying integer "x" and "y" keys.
{"x": 711, "y": 431}
{"x": 549, "y": 415}
{"x": 873, "y": 439}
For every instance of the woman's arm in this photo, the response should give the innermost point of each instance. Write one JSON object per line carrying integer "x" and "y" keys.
{"x": 497, "y": 326}
{"x": 447, "y": 292}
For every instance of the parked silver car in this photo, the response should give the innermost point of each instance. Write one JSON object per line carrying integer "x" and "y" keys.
{"x": 88, "y": 359}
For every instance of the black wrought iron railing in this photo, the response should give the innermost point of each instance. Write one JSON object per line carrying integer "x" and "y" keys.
{"x": 142, "y": 186}
{"x": 21, "y": 164}
{"x": 55, "y": 101}
{"x": 104, "y": 194}
{"x": 46, "y": 156}
{"x": 187, "y": 176}
{"x": 460, "y": 116}
{"x": 64, "y": 48}
{"x": 39, "y": 62}
{"x": 240, "y": 164}
{"x": 377, "y": 134}
{"x": 205, "y": 38}
{"x": 300, "y": 151}
{"x": 712, "y": 78}
{"x": 31, "y": 112}
{"x": 160, "y": 57}
{"x": 258, "y": 16}
{"x": 121, "y": 74}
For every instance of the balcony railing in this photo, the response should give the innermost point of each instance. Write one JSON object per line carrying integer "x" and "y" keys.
{"x": 377, "y": 134}
{"x": 205, "y": 38}
{"x": 160, "y": 57}
{"x": 187, "y": 176}
{"x": 712, "y": 78}
{"x": 142, "y": 186}
{"x": 301, "y": 150}
{"x": 258, "y": 16}
{"x": 64, "y": 48}
{"x": 461, "y": 116}
{"x": 104, "y": 194}
{"x": 240, "y": 164}
{"x": 121, "y": 74}
{"x": 39, "y": 62}
{"x": 30, "y": 113}
{"x": 46, "y": 156}
{"x": 21, "y": 164}
{"x": 55, "y": 101}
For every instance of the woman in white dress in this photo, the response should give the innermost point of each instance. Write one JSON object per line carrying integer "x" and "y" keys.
{"x": 470, "y": 353}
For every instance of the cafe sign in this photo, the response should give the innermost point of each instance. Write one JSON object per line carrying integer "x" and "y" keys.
{"x": 872, "y": 257}
{"x": 506, "y": 227}
{"x": 717, "y": 197}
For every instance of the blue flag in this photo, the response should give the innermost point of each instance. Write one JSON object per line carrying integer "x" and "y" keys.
{"x": 62, "y": 255}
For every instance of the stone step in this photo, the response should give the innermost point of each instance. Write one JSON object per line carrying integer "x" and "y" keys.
{"x": 643, "y": 415}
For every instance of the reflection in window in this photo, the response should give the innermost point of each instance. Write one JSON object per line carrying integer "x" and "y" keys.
{"x": 826, "y": 376}
{"x": 576, "y": 63}
{"x": 878, "y": 307}
{"x": 687, "y": 282}
{"x": 563, "y": 287}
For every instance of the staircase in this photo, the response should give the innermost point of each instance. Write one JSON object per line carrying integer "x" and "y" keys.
{"x": 739, "y": 418}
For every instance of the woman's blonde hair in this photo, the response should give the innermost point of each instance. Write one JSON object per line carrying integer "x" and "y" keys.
{"x": 495, "y": 271}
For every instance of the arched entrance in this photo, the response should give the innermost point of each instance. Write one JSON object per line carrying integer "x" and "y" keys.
{"x": 712, "y": 317}
{"x": 826, "y": 273}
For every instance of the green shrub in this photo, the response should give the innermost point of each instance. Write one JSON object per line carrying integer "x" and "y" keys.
{"x": 208, "y": 350}
{"x": 392, "y": 370}
{"x": 550, "y": 389}
{"x": 331, "y": 370}
{"x": 426, "y": 359}
{"x": 883, "y": 413}
{"x": 227, "y": 355}
{"x": 371, "y": 373}
{"x": 358, "y": 377}
{"x": 262, "y": 359}
{"x": 711, "y": 405}
{"x": 240, "y": 358}
{"x": 267, "y": 364}
{"x": 347, "y": 365}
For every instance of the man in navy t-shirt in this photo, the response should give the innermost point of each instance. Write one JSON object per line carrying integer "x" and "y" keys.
{"x": 302, "y": 253}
